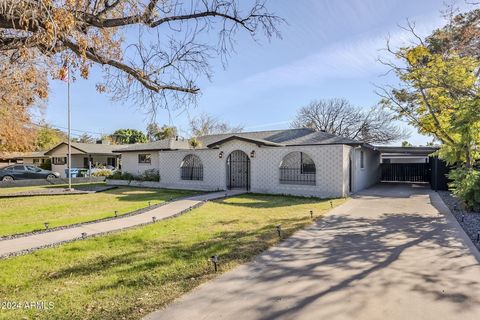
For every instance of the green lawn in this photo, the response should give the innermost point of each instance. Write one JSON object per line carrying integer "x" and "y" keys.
{"x": 25, "y": 214}
{"x": 129, "y": 274}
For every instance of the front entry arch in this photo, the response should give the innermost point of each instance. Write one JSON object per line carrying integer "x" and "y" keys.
{"x": 238, "y": 170}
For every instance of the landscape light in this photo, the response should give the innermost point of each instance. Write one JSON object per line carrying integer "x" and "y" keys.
{"x": 149, "y": 203}
{"x": 84, "y": 235}
{"x": 463, "y": 217}
{"x": 46, "y": 225}
{"x": 116, "y": 213}
{"x": 214, "y": 260}
{"x": 154, "y": 219}
{"x": 331, "y": 204}
{"x": 478, "y": 236}
{"x": 311, "y": 214}
{"x": 279, "y": 230}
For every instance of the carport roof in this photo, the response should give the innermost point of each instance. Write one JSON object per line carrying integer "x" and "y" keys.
{"x": 407, "y": 151}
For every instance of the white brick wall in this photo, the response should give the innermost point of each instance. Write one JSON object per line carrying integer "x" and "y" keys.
{"x": 264, "y": 172}
{"x": 130, "y": 162}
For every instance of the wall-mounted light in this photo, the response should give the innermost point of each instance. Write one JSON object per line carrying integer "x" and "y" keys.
{"x": 252, "y": 154}
{"x": 220, "y": 155}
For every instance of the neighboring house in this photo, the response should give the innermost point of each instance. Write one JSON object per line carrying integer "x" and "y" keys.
{"x": 37, "y": 158}
{"x": 295, "y": 161}
{"x": 84, "y": 155}
{"x": 406, "y": 154}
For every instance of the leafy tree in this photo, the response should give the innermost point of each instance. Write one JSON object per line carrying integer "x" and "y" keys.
{"x": 129, "y": 136}
{"x": 160, "y": 65}
{"x": 48, "y": 137}
{"x": 439, "y": 95}
{"x": 405, "y": 143}
{"x": 340, "y": 117}
{"x": 206, "y": 124}
{"x": 23, "y": 91}
{"x": 85, "y": 138}
{"x": 152, "y": 131}
{"x": 194, "y": 142}
{"x": 166, "y": 132}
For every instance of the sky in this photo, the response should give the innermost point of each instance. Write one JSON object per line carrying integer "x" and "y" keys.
{"x": 328, "y": 49}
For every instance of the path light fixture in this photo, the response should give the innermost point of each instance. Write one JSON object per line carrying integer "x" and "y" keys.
{"x": 331, "y": 204}
{"x": 455, "y": 208}
{"x": 279, "y": 230}
{"x": 463, "y": 217}
{"x": 149, "y": 203}
{"x": 214, "y": 260}
{"x": 220, "y": 155}
{"x": 46, "y": 225}
{"x": 311, "y": 214}
{"x": 478, "y": 236}
{"x": 116, "y": 213}
{"x": 252, "y": 154}
{"x": 84, "y": 235}
{"x": 154, "y": 219}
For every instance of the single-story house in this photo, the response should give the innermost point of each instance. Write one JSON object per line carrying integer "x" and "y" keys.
{"x": 294, "y": 161}
{"x": 37, "y": 158}
{"x": 392, "y": 154}
{"x": 84, "y": 155}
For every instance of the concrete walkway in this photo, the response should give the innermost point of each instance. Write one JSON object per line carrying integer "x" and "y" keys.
{"x": 392, "y": 252}
{"x": 32, "y": 242}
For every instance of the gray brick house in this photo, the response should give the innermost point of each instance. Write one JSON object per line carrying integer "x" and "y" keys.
{"x": 295, "y": 161}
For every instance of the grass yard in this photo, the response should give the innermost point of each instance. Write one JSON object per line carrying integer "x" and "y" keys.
{"x": 26, "y": 214}
{"x": 129, "y": 274}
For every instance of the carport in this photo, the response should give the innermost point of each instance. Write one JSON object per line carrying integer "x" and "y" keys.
{"x": 413, "y": 164}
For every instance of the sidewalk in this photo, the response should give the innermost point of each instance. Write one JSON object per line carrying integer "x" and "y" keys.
{"x": 37, "y": 241}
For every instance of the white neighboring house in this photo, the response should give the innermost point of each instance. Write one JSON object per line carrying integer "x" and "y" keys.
{"x": 295, "y": 161}
{"x": 392, "y": 154}
{"x": 84, "y": 155}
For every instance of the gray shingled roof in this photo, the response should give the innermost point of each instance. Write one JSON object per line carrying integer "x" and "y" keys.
{"x": 165, "y": 144}
{"x": 288, "y": 137}
{"x": 89, "y": 148}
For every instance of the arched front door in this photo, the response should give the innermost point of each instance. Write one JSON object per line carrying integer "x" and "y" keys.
{"x": 238, "y": 170}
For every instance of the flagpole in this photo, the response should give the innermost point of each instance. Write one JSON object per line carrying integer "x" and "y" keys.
{"x": 69, "y": 133}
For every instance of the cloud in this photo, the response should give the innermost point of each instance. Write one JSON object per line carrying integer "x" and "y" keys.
{"x": 347, "y": 59}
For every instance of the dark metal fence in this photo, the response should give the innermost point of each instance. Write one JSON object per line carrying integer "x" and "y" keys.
{"x": 408, "y": 172}
{"x": 192, "y": 173}
{"x": 297, "y": 176}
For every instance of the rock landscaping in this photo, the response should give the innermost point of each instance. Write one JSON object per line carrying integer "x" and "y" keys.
{"x": 470, "y": 221}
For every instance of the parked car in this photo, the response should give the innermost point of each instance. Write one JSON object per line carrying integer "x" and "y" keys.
{"x": 22, "y": 172}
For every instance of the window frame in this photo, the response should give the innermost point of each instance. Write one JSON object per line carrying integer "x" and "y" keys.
{"x": 59, "y": 163}
{"x": 303, "y": 173}
{"x": 193, "y": 172}
{"x": 147, "y": 160}
{"x": 362, "y": 159}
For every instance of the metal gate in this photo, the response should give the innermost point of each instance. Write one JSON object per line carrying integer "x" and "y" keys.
{"x": 238, "y": 170}
{"x": 408, "y": 172}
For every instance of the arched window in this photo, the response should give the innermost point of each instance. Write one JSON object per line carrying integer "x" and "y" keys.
{"x": 297, "y": 168}
{"x": 191, "y": 168}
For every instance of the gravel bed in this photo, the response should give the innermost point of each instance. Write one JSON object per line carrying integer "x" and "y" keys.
{"x": 471, "y": 220}
{"x": 57, "y": 191}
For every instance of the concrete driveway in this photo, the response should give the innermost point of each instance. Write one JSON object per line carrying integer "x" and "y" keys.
{"x": 391, "y": 252}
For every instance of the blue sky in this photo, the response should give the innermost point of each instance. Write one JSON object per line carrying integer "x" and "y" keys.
{"x": 329, "y": 49}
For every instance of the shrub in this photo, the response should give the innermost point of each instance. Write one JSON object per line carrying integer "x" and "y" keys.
{"x": 147, "y": 175}
{"x": 150, "y": 175}
{"x": 102, "y": 173}
{"x": 466, "y": 186}
{"x": 118, "y": 175}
